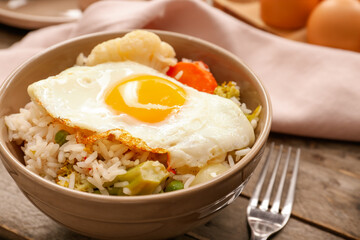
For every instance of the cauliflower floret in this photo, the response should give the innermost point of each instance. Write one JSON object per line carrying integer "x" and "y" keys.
{"x": 139, "y": 46}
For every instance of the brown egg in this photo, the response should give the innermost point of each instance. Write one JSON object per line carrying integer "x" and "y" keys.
{"x": 286, "y": 14}
{"x": 335, "y": 23}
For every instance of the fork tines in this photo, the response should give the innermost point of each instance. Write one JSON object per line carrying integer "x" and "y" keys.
{"x": 286, "y": 209}
{"x": 264, "y": 222}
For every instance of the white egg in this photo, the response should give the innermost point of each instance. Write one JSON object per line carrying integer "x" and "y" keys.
{"x": 191, "y": 126}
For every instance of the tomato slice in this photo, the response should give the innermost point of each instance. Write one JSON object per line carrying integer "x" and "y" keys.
{"x": 194, "y": 74}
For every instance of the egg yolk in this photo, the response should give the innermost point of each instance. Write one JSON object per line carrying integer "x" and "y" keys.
{"x": 147, "y": 98}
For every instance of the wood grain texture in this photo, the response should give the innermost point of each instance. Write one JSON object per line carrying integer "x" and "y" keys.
{"x": 228, "y": 224}
{"x": 11, "y": 234}
{"x": 231, "y": 225}
{"x": 328, "y": 188}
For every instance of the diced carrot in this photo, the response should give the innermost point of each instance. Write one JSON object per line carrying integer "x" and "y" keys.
{"x": 194, "y": 74}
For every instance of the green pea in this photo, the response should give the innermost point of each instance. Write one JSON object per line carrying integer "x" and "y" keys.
{"x": 174, "y": 185}
{"x": 97, "y": 191}
{"x": 60, "y": 137}
{"x": 115, "y": 191}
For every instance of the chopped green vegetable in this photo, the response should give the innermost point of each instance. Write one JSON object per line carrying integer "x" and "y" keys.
{"x": 65, "y": 170}
{"x": 115, "y": 191}
{"x": 143, "y": 178}
{"x": 63, "y": 178}
{"x": 174, "y": 185}
{"x": 60, "y": 137}
{"x": 82, "y": 184}
{"x": 254, "y": 114}
{"x": 228, "y": 90}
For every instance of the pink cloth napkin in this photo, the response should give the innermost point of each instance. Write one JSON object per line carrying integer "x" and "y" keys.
{"x": 315, "y": 91}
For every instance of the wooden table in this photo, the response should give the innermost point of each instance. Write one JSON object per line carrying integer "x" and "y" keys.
{"x": 327, "y": 204}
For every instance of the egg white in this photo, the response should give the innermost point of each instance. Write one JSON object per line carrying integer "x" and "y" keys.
{"x": 205, "y": 127}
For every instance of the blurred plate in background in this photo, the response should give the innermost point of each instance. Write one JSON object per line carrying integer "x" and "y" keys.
{"x": 32, "y": 14}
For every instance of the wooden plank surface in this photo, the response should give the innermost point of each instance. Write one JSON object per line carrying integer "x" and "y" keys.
{"x": 231, "y": 225}
{"x": 228, "y": 224}
{"x": 328, "y": 188}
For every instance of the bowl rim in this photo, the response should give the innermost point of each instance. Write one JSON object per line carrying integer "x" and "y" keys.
{"x": 260, "y": 141}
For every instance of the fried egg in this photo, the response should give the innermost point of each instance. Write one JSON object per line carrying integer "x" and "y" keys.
{"x": 192, "y": 127}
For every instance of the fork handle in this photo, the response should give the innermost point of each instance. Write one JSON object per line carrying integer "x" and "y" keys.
{"x": 257, "y": 237}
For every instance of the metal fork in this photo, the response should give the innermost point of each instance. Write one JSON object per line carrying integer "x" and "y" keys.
{"x": 264, "y": 222}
